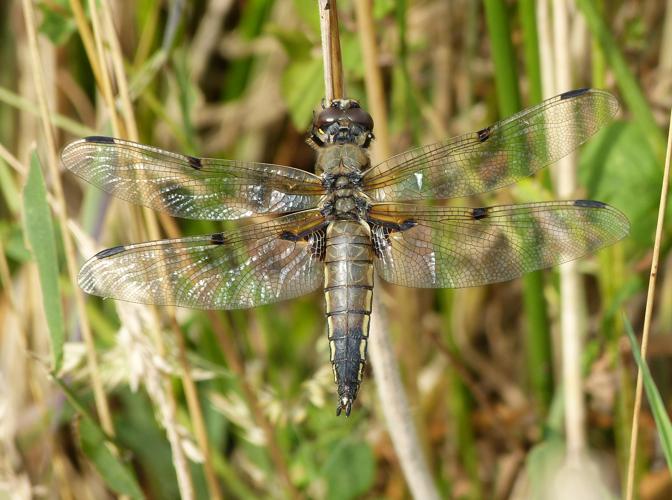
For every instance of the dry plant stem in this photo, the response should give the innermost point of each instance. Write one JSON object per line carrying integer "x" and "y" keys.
{"x": 119, "y": 74}
{"x": 92, "y": 363}
{"x": 13, "y": 162}
{"x": 196, "y": 415}
{"x": 105, "y": 82}
{"x": 373, "y": 80}
{"x": 331, "y": 50}
{"x": 391, "y": 391}
{"x": 236, "y": 365}
{"x": 648, "y": 314}
{"x": 396, "y": 409}
{"x": 571, "y": 291}
{"x": 665, "y": 61}
{"x": 87, "y": 39}
{"x": 191, "y": 394}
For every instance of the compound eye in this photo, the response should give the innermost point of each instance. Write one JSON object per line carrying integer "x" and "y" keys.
{"x": 361, "y": 117}
{"x": 327, "y": 117}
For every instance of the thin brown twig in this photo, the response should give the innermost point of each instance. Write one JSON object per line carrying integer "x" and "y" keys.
{"x": 119, "y": 74}
{"x": 87, "y": 39}
{"x": 52, "y": 161}
{"x": 648, "y": 315}
{"x": 331, "y": 50}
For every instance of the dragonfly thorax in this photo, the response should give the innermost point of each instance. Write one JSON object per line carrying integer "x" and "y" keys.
{"x": 341, "y": 167}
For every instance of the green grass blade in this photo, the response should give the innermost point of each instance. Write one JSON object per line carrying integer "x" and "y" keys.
{"x": 655, "y": 400}
{"x": 115, "y": 474}
{"x": 528, "y": 22}
{"x": 509, "y": 102}
{"x": 504, "y": 58}
{"x": 41, "y": 237}
{"x": 98, "y": 448}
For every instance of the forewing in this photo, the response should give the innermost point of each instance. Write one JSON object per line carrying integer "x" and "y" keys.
{"x": 495, "y": 156}
{"x": 254, "y": 265}
{"x": 190, "y": 187}
{"x": 446, "y": 247}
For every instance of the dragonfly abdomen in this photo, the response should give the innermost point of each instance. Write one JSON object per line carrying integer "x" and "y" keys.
{"x": 348, "y": 291}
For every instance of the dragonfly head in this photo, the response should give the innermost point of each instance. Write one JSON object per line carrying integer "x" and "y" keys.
{"x": 342, "y": 122}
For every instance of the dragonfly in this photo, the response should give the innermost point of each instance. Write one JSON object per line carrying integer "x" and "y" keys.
{"x": 337, "y": 228}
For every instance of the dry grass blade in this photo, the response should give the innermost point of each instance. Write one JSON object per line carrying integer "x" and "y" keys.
{"x": 99, "y": 393}
{"x": 648, "y": 314}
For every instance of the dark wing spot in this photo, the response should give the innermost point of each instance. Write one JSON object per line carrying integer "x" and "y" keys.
{"x": 100, "y": 139}
{"x": 218, "y": 239}
{"x": 380, "y": 233}
{"x": 109, "y": 252}
{"x": 589, "y": 204}
{"x": 289, "y": 236}
{"x": 483, "y": 134}
{"x": 573, "y": 93}
{"x": 479, "y": 213}
{"x": 195, "y": 163}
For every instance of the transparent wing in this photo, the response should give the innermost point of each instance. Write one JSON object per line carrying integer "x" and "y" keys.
{"x": 446, "y": 247}
{"x": 254, "y": 265}
{"x": 495, "y": 156}
{"x": 190, "y": 187}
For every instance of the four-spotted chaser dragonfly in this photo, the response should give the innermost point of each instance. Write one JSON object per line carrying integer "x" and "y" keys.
{"x": 350, "y": 220}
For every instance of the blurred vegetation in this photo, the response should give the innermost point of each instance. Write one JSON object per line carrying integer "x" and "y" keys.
{"x": 240, "y": 80}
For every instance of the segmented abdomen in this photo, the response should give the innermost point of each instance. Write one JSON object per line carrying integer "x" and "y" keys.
{"x": 348, "y": 290}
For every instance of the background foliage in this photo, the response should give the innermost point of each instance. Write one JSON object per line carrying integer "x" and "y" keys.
{"x": 240, "y": 80}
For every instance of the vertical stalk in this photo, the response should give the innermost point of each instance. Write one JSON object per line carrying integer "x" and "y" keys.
{"x": 537, "y": 343}
{"x": 331, "y": 50}
{"x": 648, "y": 313}
{"x": 572, "y": 301}
{"x": 391, "y": 391}
{"x": 102, "y": 406}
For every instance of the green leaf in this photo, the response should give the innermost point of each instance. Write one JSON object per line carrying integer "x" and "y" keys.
{"x": 308, "y": 13}
{"x": 350, "y": 470}
{"x": 57, "y": 22}
{"x": 116, "y": 475}
{"x": 655, "y": 400}
{"x": 41, "y": 238}
{"x": 295, "y": 42}
{"x": 97, "y": 447}
{"x": 620, "y": 156}
{"x": 302, "y": 88}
